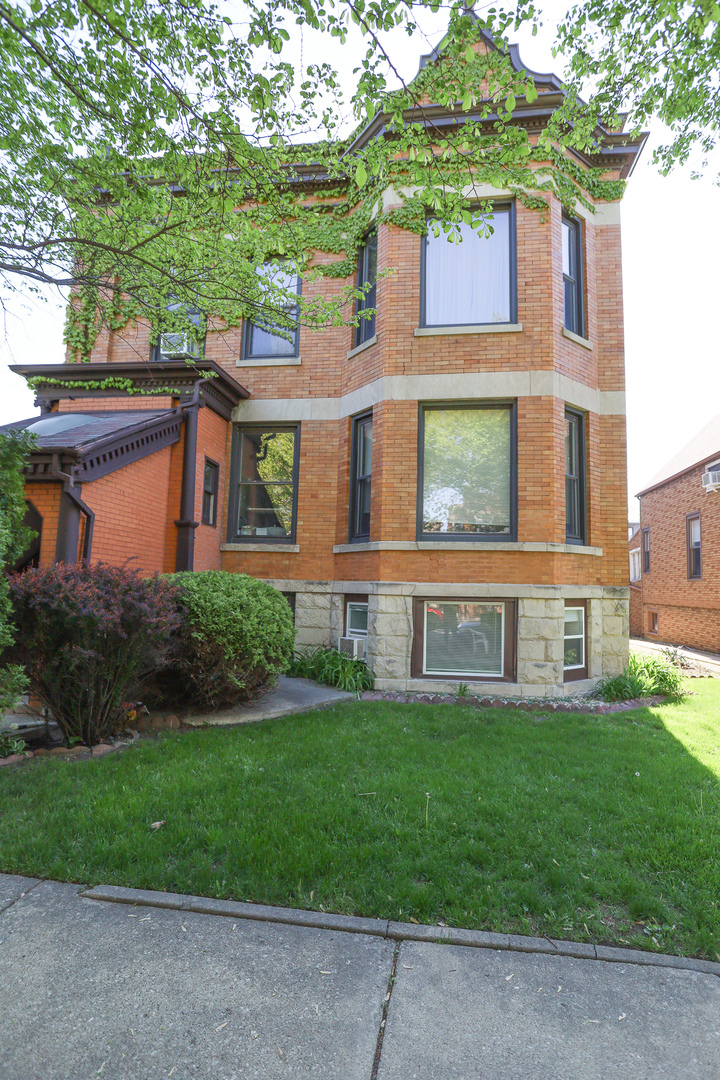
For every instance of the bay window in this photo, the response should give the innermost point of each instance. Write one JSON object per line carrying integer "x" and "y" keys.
{"x": 366, "y": 276}
{"x": 464, "y": 639}
{"x": 361, "y": 473}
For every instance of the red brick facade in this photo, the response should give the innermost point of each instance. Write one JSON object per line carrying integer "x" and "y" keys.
{"x": 687, "y": 608}
{"x": 532, "y": 364}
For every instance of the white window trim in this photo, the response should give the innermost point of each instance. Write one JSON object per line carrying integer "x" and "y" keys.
{"x": 469, "y": 674}
{"x": 573, "y": 637}
{"x": 354, "y": 633}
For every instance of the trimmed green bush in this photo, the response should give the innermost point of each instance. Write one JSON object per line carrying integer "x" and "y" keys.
{"x": 643, "y": 676}
{"x": 236, "y": 636}
{"x": 334, "y": 669}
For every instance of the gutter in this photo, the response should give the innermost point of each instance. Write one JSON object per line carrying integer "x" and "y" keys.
{"x": 71, "y": 507}
{"x": 186, "y": 524}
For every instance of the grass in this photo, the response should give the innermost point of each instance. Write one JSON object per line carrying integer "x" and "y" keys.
{"x": 599, "y": 829}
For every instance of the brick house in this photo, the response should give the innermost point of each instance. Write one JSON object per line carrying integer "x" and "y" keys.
{"x": 445, "y": 483}
{"x": 674, "y": 561}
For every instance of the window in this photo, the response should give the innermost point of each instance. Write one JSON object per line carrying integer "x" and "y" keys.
{"x": 181, "y": 341}
{"x": 464, "y": 639}
{"x": 572, "y": 276}
{"x": 574, "y": 478}
{"x": 275, "y": 332}
{"x": 264, "y": 484}
{"x": 635, "y": 571}
{"x": 361, "y": 466}
{"x": 646, "y": 551}
{"x": 694, "y": 561}
{"x": 356, "y": 619}
{"x": 466, "y": 474}
{"x": 469, "y": 279}
{"x": 210, "y": 492}
{"x": 653, "y": 622}
{"x": 367, "y": 273}
{"x": 574, "y": 652}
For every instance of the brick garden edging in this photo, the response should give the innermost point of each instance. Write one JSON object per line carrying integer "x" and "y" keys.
{"x": 543, "y": 705}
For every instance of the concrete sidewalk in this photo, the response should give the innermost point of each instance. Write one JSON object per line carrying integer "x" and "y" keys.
{"x": 109, "y": 984}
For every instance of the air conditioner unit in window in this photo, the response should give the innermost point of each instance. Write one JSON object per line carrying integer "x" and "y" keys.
{"x": 352, "y": 646}
{"x": 711, "y": 480}
{"x": 178, "y": 345}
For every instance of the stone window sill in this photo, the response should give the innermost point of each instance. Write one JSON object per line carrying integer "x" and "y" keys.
{"x": 268, "y": 361}
{"x": 586, "y": 344}
{"x": 361, "y": 348}
{"x": 260, "y": 547}
{"x": 479, "y": 328}
{"x": 463, "y": 545}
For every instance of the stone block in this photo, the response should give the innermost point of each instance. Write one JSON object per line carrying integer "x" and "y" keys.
{"x": 536, "y": 672}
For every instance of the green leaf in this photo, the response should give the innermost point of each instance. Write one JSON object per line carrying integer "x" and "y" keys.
{"x": 360, "y": 174}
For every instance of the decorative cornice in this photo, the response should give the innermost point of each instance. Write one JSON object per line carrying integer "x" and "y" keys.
{"x": 221, "y": 394}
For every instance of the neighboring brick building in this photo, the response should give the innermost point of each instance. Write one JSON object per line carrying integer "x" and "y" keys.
{"x": 446, "y": 482}
{"x": 678, "y": 590}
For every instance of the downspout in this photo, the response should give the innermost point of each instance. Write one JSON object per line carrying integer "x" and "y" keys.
{"x": 71, "y": 507}
{"x": 186, "y": 524}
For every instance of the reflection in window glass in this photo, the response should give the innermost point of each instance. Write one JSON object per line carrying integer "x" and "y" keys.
{"x": 468, "y": 281}
{"x": 357, "y": 618}
{"x": 466, "y": 471}
{"x": 464, "y": 638}
{"x": 363, "y": 477}
{"x": 574, "y": 637}
{"x": 367, "y": 275}
{"x": 265, "y": 488}
{"x": 275, "y": 334}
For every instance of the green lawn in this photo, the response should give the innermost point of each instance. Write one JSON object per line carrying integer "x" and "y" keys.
{"x": 590, "y": 828}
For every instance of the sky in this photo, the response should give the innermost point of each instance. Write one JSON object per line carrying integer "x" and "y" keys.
{"x": 671, "y": 287}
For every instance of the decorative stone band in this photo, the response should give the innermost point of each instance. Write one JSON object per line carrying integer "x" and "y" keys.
{"x": 465, "y": 545}
{"x": 481, "y": 385}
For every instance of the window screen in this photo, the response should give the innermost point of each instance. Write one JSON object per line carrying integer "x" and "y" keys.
{"x": 464, "y": 638}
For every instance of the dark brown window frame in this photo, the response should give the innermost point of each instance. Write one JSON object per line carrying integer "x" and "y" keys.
{"x": 210, "y": 519}
{"x": 358, "y": 422}
{"x": 365, "y": 330}
{"x": 510, "y": 642}
{"x": 581, "y": 538}
{"x": 693, "y": 576}
{"x": 503, "y": 206}
{"x": 575, "y": 674}
{"x": 462, "y": 537}
{"x": 653, "y": 615}
{"x": 232, "y": 536}
{"x": 646, "y": 551}
{"x": 575, "y": 279}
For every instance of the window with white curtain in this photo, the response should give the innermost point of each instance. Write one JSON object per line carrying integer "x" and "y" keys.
{"x": 468, "y": 277}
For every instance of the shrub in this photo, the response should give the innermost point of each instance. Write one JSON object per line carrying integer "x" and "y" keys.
{"x": 235, "y": 637}
{"x": 643, "y": 676}
{"x": 86, "y": 635}
{"x": 334, "y": 669}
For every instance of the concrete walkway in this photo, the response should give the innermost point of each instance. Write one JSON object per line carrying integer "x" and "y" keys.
{"x": 710, "y": 661}
{"x": 130, "y": 985}
{"x": 289, "y": 696}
